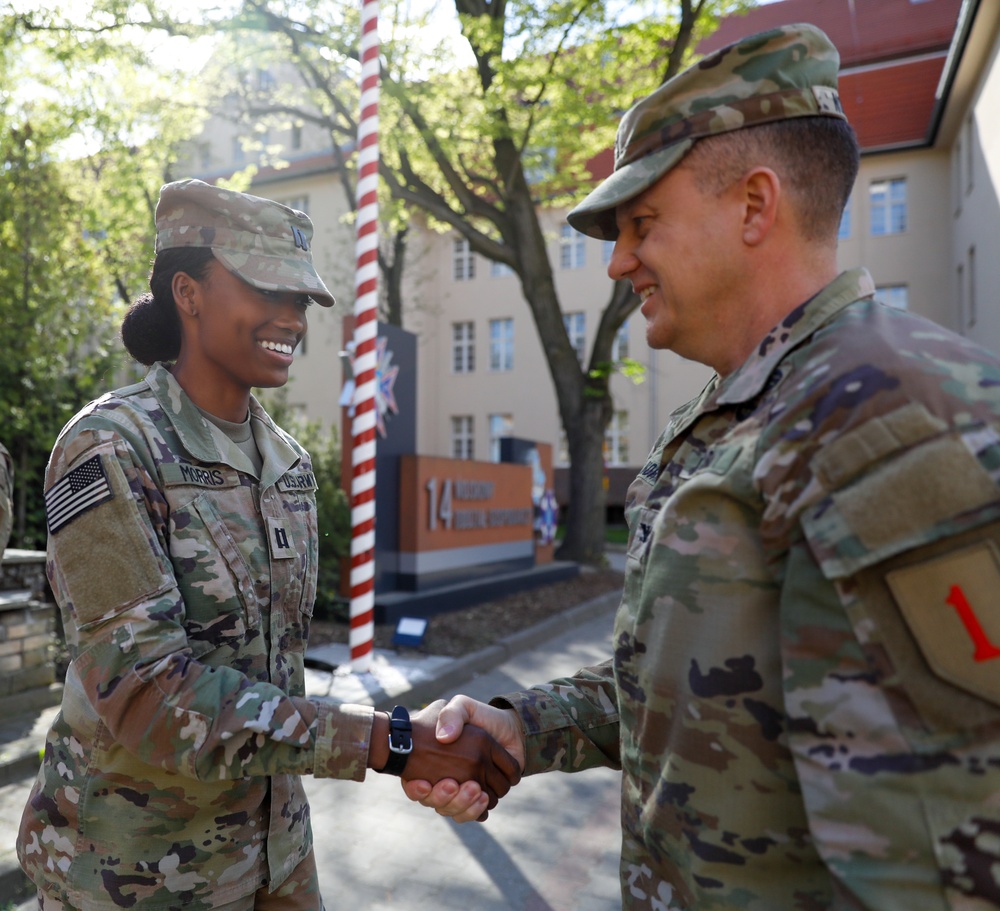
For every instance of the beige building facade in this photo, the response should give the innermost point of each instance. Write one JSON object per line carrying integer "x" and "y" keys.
{"x": 924, "y": 217}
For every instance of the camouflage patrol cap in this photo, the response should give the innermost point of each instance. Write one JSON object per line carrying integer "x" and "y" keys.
{"x": 263, "y": 242}
{"x": 775, "y": 75}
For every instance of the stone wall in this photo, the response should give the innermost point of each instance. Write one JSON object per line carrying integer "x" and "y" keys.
{"x": 29, "y": 644}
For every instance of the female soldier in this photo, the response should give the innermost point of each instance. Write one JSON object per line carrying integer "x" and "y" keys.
{"x": 182, "y": 552}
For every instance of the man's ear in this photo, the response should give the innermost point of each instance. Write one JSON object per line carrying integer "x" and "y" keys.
{"x": 186, "y": 293}
{"x": 761, "y": 194}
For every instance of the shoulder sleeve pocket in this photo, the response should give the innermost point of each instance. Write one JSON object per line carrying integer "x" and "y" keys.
{"x": 910, "y": 498}
{"x": 103, "y": 553}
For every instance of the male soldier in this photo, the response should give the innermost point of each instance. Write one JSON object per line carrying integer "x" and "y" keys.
{"x": 6, "y": 496}
{"x": 804, "y": 698}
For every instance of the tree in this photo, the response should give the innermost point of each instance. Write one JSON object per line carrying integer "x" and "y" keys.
{"x": 78, "y": 182}
{"x": 480, "y": 148}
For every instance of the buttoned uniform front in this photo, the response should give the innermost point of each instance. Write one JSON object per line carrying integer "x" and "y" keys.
{"x": 803, "y": 698}
{"x": 171, "y": 774}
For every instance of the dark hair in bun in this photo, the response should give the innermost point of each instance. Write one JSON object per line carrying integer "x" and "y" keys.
{"x": 151, "y": 329}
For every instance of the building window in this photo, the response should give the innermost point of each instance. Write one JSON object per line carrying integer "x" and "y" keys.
{"x": 461, "y": 437}
{"x": 888, "y": 206}
{"x": 297, "y": 136}
{"x": 501, "y": 425}
{"x": 572, "y": 248}
{"x": 619, "y": 347}
{"x": 894, "y": 295}
{"x": 463, "y": 347}
{"x": 607, "y": 251}
{"x": 301, "y": 203}
{"x": 844, "y": 231}
{"x": 204, "y": 155}
{"x": 239, "y": 153}
{"x": 616, "y": 439}
{"x": 464, "y": 260}
{"x": 501, "y": 345}
{"x": 499, "y": 270}
{"x": 576, "y": 329}
{"x": 562, "y": 452}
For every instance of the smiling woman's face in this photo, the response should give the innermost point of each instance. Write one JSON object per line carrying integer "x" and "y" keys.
{"x": 235, "y": 337}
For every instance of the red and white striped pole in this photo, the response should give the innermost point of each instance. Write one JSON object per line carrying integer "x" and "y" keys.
{"x": 365, "y": 362}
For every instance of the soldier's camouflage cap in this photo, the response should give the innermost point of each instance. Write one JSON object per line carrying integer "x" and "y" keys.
{"x": 774, "y": 75}
{"x": 266, "y": 244}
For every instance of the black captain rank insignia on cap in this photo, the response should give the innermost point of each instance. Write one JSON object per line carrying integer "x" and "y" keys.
{"x": 300, "y": 238}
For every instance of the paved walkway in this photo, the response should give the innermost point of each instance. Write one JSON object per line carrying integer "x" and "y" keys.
{"x": 551, "y": 845}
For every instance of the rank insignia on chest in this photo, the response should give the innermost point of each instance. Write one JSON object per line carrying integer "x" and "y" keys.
{"x": 280, "y": 541}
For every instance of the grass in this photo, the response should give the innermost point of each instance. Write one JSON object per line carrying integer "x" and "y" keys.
{"x": 613, "y": 534}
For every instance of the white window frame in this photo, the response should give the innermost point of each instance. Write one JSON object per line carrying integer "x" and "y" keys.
{"x": 463, "y": 260}
{"x": 463, "y": 347}
{"x": 462, "y": 436}
{"x": 572, "y": 248}
{"x": 501, "y": 345}
{"x": 888, "y": 212}
{"x": 616, "y": 439}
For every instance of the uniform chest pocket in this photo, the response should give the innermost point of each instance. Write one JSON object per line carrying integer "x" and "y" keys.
{"x": 212, "y": 576}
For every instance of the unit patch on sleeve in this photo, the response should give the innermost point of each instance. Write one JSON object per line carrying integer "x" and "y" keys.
{"x": 951, "y": 605}
{"x": 85, "y": 487}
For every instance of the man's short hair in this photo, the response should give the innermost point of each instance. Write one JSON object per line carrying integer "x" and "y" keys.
{"x": 816, "y": 159}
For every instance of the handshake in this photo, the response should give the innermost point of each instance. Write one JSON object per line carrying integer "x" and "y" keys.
{"x": 466, "y": 755}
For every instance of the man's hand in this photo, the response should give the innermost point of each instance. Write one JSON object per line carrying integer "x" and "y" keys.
{"x": 466, "y": 801}
{"x": 471, "y": 756}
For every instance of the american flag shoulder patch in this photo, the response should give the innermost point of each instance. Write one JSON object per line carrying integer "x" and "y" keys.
{"x": 85, "y": 487}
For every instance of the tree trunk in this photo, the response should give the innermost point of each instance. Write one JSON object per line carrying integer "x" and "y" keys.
{"x": 584, "y": 540}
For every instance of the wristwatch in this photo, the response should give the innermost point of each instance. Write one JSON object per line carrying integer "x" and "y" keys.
{"x": 400, "y": 741}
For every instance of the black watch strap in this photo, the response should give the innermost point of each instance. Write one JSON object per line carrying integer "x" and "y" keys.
{"x": 400, "y": 741}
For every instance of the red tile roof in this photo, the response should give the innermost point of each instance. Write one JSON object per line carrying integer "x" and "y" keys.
{"x": 892, "y": 53}
{"x": 863, "y": 30}
{"x": 891, "y": 105}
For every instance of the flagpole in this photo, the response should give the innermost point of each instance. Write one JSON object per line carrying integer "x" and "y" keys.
{"x": 362, "y": 581}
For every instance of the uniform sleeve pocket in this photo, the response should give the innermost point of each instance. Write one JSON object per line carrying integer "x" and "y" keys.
{"x": 105, "y": 554}
{"x": 907, "y": 499}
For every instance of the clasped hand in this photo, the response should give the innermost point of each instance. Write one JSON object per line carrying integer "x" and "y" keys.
{"x": 474, "y": 755}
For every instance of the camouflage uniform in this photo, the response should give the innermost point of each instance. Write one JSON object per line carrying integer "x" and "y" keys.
{"x": 171, "y": 775}
{"x": 803, "y": 698}
{"x": 6, "y": 496}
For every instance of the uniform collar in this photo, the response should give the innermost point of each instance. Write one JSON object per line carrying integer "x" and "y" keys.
{"x": 749, "y": 380}
{"x": 196, "y": 436}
